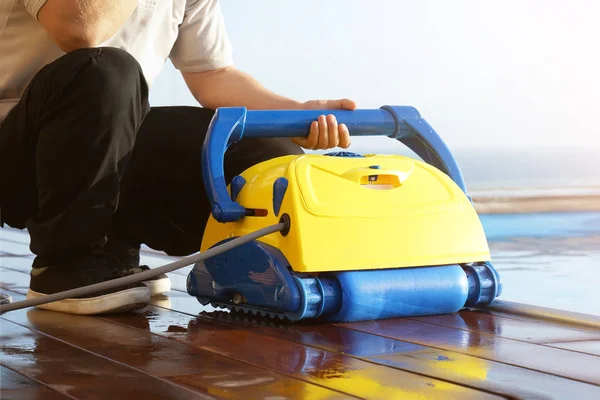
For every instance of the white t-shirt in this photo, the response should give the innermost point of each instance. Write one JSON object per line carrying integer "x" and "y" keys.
{"x": 189, "y": 32}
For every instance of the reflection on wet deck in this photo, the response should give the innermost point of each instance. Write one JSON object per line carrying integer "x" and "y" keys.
{"x": 178, "y": 349}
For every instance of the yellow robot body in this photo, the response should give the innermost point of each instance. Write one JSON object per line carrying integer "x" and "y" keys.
{"x": 358, "y": 213}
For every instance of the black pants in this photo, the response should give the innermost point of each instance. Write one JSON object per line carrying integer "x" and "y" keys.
{"x": 83, "y": 153}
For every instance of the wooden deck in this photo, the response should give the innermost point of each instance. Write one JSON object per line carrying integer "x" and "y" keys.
{"x": 177, "y": 349}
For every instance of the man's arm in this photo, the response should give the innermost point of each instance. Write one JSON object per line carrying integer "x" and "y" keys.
{"x": 75, "y": 24}
{"x": 228, "y": 87}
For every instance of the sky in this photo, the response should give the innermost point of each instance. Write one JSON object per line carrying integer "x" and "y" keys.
{"x": 503, "y": 74}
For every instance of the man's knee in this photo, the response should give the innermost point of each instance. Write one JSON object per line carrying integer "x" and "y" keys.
{"x": 101, "y": 86}
{"x": 114, "y": 75}
{"x": 104, "y": 75}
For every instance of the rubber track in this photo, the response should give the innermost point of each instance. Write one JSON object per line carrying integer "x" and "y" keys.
{"x": 251, "y": 311}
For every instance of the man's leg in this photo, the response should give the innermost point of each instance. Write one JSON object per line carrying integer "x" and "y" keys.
{"x": 63, "y": 151}
{"x": 163, "y": 201}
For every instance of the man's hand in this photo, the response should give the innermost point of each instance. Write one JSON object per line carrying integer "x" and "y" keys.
{"x": 325, "y": 132}
{"x": 230, "y": 87}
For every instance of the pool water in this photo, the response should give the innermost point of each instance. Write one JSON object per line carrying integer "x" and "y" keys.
{"x": 550, "y": 260}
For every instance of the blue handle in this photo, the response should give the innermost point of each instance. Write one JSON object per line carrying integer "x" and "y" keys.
{"x": 230, "y": 124}
{"x": 296, "y": 123}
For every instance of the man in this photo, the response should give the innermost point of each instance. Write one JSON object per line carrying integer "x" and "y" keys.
{"x": 88, "y": 168}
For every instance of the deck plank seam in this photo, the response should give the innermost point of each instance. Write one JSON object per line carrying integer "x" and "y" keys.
{"x": 14, "y": 241}
{"x": 14, "y": 255}
{"x": 577, "y": 341}
{"x": 544, "y": 344}
{"x": 543, "y": 321}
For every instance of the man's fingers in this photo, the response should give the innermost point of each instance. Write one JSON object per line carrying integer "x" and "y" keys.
{"x": 332, "y": 127}
{"x": 309, "y": 142}
{"x": 344, "y": 136}
{"x": 312, "y": 139}
{"x": 323, "y": 134}
{"x": 347, "y": 104}
{"x": 326, "y": 132}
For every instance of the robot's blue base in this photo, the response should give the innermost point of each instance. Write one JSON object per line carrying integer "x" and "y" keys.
{"x": 256, "y": 278}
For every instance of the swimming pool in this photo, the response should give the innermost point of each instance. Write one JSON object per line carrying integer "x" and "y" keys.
{"x": 550, "y": 260}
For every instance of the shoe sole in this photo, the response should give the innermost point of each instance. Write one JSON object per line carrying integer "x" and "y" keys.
{"x": 118, "y": 302}
{"x": 158, "y": 286}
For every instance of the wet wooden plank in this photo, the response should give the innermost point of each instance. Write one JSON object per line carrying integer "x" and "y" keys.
{"x": 559, "y": 362}
{"x": 338, "y": 372}
{"x": 14, "y": 235}
{"x": 11, "y": 380}
{"x": 41, "y": 393}
{"x": 17, "y": 260}
{"x": 450, "y": 366}
{"x": 15, "y": 248}
{"x": 324, "y": 367}
{"x": 15, "y": 386}
{"x": 36, "y": 393}
{"x": 77, "y": 373}
{"x": 584, "y": 346}
{"x": 564, "y": 319}
{"x": 174, "y": 362}
{"x": 15, "y": 281}
{"x": 508, "y": 328}
{"x": 422, "y": 359}
{"x": 20, "y": 264}
{"x": 558, "y": 335}
{"x": 177, "y": 302}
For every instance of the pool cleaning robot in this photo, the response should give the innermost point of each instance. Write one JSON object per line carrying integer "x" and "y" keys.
{"x": 335, "y": 237}
{"x": 364, "y": 237}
